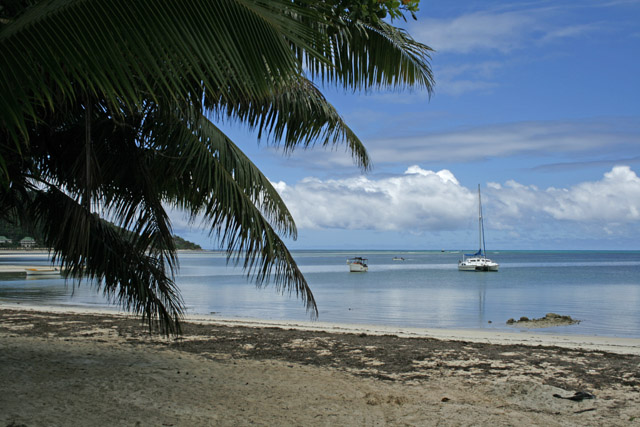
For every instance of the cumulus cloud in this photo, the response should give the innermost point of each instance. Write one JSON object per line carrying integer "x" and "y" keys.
{"x": 418, "y": 200}
{"x": 421, "y": 200}
{"x": 613, "y": 200}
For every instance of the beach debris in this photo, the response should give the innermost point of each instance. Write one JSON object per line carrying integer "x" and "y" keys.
{"x": 445, "y": 399}
{"x": 584, "y": 410}
{"x": 549, "y": 320}
{"x": 579, "y": 396}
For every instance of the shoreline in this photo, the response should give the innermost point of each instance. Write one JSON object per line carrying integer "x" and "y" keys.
{"x": 85, "y": 368}
{"x": 619, "y": 345}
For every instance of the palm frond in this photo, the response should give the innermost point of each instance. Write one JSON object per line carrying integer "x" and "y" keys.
{"x": 364, "y": 56}
{"x": 104, "y": 100}
{"x": 215, "y": 180}
{"x": 297, "y": 115}
{"x": 90, "y": 248}
{"x": 132, "y": 50}
{"x": 121, "y": 179}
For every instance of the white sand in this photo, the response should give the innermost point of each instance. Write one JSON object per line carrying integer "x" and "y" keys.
{"x": 100, "y": 377}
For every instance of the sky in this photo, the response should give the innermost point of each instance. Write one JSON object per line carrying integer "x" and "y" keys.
{"x": 536, "y": 102}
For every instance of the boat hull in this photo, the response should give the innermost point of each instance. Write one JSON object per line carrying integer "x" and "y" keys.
{"x": 484, "y": 264}
{"x": 478, "y": 268}
{"x": 42, "y": 271}
{"x": 357, "y": 268}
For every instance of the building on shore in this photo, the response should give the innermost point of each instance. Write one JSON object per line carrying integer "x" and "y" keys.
{"x": 27, "y": 242}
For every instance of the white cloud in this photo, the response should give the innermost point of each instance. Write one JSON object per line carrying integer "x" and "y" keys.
{"x": 421, "y": 200}
{"x": 464, "y": 78}
{"x": 418, "y": 200}
{"x": 420, "y": 204}
{"x": 501, "y": 31}
{"x": 513, "y": 34}
{"x": 477, "y": 31}
{"x": 569, "y": 32}
{"x": 538, "y": 139}
{"x": 505, "y": 140}
{"x": 611, "y": 201}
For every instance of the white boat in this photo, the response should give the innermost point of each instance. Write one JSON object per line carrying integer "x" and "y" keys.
{"x": 358, "y": 265}
{"x": 398, "y": 258}
{"x": 479, "y": 260}
{"x": 42, "y": 271}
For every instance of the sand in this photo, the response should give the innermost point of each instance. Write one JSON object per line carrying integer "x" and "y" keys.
{"x": 62, "y": 368}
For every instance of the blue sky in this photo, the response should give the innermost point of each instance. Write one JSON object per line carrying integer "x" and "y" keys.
{"x": 538, "y": 102}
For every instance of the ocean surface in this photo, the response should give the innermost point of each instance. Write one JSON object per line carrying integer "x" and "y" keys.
{"x": 601, "y": 289}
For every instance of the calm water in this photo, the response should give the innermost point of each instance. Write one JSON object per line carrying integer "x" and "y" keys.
{"x": 602, "y": 289}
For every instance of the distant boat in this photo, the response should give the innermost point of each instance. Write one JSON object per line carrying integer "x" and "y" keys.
{"x": 358, "y": 265}
{"x": 398, "y": 258}
{"x": 42, "y": 271}
{"x": 479, "y": 260}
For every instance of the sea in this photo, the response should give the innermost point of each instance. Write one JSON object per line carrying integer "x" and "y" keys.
{"x": 601, "y": 289}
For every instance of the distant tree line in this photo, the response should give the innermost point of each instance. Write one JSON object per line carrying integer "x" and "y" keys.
{"x": 15, "y": 232}
{"x": 185, "y": 244}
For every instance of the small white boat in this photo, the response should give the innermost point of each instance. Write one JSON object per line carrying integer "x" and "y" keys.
{"x": 479, "y": 260}
{"x": 42, "y": 271}
{"x": 398, "y": 258}
{"x": 358, "y": 265}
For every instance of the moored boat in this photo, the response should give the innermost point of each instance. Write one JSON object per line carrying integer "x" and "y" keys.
{"x": 358, "y": 265}
{"x": 479, "y": 260}
{"x": 42, "y": 271}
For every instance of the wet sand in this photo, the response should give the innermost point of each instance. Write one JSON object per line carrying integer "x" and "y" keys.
{"x": 73, "y": 368}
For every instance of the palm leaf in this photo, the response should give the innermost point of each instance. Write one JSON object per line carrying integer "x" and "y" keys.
{"x": 132, "y": 50}
{"x": 217, "y": 181}
{"x": 140, "y": 74}
{"x": 367, "y": 55}
{"x": 89, "y": 247}
{"x": 294, "y": 116}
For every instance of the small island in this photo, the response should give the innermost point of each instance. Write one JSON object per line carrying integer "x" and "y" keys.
{"x": 548, "y": 321}
{"x": 185, "y": 245}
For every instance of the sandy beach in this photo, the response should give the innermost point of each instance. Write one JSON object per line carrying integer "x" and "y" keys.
{"x": 72, "y": 368}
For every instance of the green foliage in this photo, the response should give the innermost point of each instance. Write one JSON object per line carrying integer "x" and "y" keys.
{"x": 108, "y": 111}
{"x": 11, "y": 231}
{"x": 185, "y": 244}
{"x": 16, "y": 233}
{"x": 372, "y": 11}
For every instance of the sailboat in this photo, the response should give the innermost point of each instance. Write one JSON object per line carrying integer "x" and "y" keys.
{"x": 479, "y": 260}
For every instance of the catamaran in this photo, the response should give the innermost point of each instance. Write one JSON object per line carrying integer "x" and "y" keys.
{"x": 479, "y": 260}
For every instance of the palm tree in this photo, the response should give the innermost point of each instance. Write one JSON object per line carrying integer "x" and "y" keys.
{"x": 109, "y": 109}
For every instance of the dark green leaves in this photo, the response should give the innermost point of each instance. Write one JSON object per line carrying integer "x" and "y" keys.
{"x": 107, "y": 113}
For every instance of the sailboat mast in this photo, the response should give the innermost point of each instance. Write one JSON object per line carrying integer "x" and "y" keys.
{"x": 479, "y": 219}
